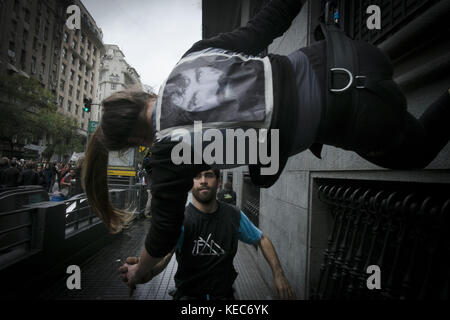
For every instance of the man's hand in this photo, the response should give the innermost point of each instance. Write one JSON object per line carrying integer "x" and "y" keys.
{"x": 283, "y": 288}
{"x": 129, "y": 274}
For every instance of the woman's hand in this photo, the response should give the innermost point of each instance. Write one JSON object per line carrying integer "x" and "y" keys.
{"x": 132, "y": 275}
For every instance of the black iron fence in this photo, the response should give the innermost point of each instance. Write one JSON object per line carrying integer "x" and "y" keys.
{"x": 250, "y": 200}
{"x": 402, "y": 230}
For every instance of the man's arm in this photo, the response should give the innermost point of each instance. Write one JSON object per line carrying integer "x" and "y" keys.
{"x": 281, "y": 284}
{"x": 250, "y": 234}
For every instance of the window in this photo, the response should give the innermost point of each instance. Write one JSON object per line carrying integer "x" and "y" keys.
{"x": 14, "y": 28}
{"x": 83, "y": 38}
{"x": 70, "y": 90}
{"x": 46, "y": 33}
{"x": 72, "y": 59}
{"x": 74, "y": 44}
{"x": 79, "y": 80}
{"x": 66, "y": 37}
{"x": 69, "y": 105}
{"x": 92, "y": 89}
{"x": 61, "y": 101}
{"x": 63, "y": 69}
{"x": 25, "y": 38}
{"x": 33, "y": 65}
{"x": 62, "y": 84}
{"x": 37, "y": 27}
{"x": 85, "y": 85}
{"x": 72, "y": 74}
{"x": 42, "y": 69}
{"x": 23, "y": 58}
{"x": 16, "y": 6}
{"x": 27, "y": 15}
{"x": 81, "y": 52}
{"x": 78, "y": 94}
{"x": 44, "y": 51}
{"x": 113, "y": 86}
{"x": 77, "y": 107}
{"x": 35, "y": 43}
{"x": 89, "y": 45}
{"x": 64, "y": 52}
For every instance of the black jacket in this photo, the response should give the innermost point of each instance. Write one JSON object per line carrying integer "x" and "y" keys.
{"x": 11, "y": 177}
{"x": 171, "y": 183}
{"x": 30, "y": 177}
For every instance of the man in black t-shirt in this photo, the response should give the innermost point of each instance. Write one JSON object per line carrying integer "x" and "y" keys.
{"x": 208, "y": 244}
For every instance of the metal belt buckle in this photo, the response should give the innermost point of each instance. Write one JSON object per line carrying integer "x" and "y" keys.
{"x": 350, "y": 81}
{"x": 363, "y": 83}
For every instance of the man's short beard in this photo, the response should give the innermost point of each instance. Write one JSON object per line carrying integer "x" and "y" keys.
{"x": 204, "y": 199}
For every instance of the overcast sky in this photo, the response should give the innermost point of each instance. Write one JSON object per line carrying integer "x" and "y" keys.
{"x": 153, "y": 34}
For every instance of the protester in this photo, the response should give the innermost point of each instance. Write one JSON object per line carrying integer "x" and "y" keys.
{"x": 4, "y": 164}
{"x": 30, "y": 175}
{"x": 12, "y": 176}
{"x": 66, "y": 182}
{"x": 48, "y": 177}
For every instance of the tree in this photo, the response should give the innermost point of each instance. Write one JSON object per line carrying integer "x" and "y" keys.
{"x": 28, "y": 111}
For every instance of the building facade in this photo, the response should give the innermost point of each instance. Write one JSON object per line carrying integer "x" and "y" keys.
{"x": 115, "y": 73}
{"x": 331, "y": 218}
{"x": 35, "y": 42}
{"x": 79, "y": 69}
{"x": 31, "y": 33}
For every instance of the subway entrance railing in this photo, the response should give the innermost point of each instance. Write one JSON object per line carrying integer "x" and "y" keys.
{"x": 23, "y": 230}
{"x": 400, "y": 227}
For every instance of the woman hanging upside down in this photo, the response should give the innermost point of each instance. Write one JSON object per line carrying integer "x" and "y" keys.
{"x": 337, "y": 92}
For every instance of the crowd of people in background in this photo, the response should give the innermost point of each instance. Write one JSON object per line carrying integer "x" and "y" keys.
{"x": 52, "y": 176}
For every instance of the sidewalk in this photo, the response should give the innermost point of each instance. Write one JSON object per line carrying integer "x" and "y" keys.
{"x": 100, "y": 279}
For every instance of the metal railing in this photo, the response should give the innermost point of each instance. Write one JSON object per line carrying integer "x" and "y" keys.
{"x": 403, "y": 232}
{"x": 79, "y": 215}
{"x": 17, "y": 232}
{"x": 21, "y": 230}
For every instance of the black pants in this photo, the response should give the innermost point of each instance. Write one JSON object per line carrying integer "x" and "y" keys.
{"x": 382, "y": 131}
{"x": 177, "y": 295}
